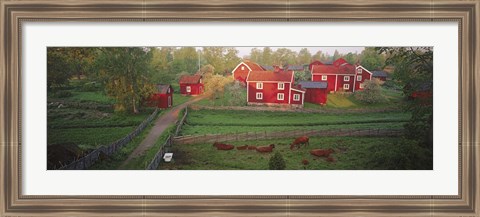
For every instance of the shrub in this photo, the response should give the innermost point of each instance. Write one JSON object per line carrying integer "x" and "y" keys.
{"x": 276, "y": 162}
{"x": 91, "y": 86}
{"x": 404, "y": 155}
{"x": 63, "y": 94}
{"x": 371, "y": 93}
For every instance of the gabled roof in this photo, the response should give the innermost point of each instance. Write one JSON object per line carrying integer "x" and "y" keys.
{"x": 163, "y": 88}
{"x": 313, "y": 84}
{"x": 190, "y": 79}
{"x": 332, "y": 69}
{"x": 268, "y": 68}
{"x": 282, "y": 76}
{"x": 253, "y": 66}
{"x": 298, "y": 88}
{"x": 379, "y": 74}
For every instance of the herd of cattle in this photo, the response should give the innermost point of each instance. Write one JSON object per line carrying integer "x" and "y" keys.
{"x": 296, "y": 144}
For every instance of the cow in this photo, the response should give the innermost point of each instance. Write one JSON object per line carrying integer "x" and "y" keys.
{"x": 243, "y": 147}
{"x": 331, "y": 159}
{"x": 264, "y": 149}
{"x": 299, "y": 141}
{"x": 322, "y": 152}
{"x": 221, "y": 146}
{"x": 252, "y": 147}
{"x": 305, "y": 162}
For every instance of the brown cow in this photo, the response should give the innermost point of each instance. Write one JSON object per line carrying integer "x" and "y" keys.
{"x": 252, "y": 147}
{"x": 243, "y": 147}
{"x": 264, "y": 149}
{"x": 299, "y": 141}
{"x": 305, "y": 162}
{"x": 221, "y": 146}
{"x": 322, "y": 152}
{"x": 331, "y": 159}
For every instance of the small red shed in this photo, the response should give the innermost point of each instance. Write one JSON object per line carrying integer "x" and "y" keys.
{"x": 316, "y": 92}
{"x": 191, "y": 85}
{"x": 163, "y": 97}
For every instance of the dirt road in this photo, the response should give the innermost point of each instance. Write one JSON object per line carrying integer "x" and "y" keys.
{"x": 160, "y": 125}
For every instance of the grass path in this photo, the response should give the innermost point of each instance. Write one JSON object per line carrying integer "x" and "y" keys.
{"x": 161, "y": 124}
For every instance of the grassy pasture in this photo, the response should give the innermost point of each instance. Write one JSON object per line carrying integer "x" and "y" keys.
{"x": 351, "y": 153}
{"x": 225, "y": 121}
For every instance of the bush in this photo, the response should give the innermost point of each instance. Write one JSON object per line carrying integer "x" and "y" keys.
{"x": 276, "y": 162}
{"x": 91, "y": 86}
{"x": 63, "y": 94}
{"x": 371, "y": 93}
{"x": 404, "y": 155}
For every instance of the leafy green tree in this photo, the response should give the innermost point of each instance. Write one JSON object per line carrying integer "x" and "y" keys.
{"x": 127, "y": 74}
{"x": 319, "y": 55}
{"x": 237, "y": 94}
{"x": 371, "y": 93}
{"x": 351, "y": 58}
{"x": 304, "y": 56}
{"x": 256, "y": 55}
{"x": 58, "y": 68}
{"x": 414, "y": 71}
{"x": 267, "y": 56}
{"x": 336, "y": 55}
{"x": 277, "y": 162}
{"x": 284, "y": 56}
{"x": 371, "y": 59}
{"x": 215, "y": 86}
{"x": 231, "y": 59}
{"x": 215, "y": 57}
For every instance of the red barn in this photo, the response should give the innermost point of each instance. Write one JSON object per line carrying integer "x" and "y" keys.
{"x": 273, "y": 88}
{"x": 316, "y": 91}
{"x": 242, "y": 70}
{"x": 163, "y": 97}
{"x": 191, "y": 85}
{"x": 341, "y": 75}
{"x": 314, "y": 63}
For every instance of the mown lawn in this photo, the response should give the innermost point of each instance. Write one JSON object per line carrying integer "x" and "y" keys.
{"x": 179, "y": 99}
{"x": 351, "y": 153}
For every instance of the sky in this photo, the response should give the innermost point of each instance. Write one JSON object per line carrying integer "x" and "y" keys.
{"x": 330, "y": 50}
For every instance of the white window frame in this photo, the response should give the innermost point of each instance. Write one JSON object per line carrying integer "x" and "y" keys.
{"x": 359, "y": 78}
{"x": 243, "y": 68}
{"x": 280, "y": 94}
{"x": 296, "y": 97}
{"x": 324, "y": 77}
{"x": 359, "y": 70}
{"x": 189, "y": 89}
{"x": 281, "y": 88}
{"x": 259, "y": 96}
{"x": 346, "y": 86}
{"x": 346, "y": 78}
{"x": 259, "y": 86}
{"x": 362, "y": 85}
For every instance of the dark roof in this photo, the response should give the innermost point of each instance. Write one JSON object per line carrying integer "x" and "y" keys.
{"x": 163, "y": 88}
{"x": 379, "y": 74}
{"x": 295, "y": 68}
{"x": 282, "y": 76}
{"x": 190, "y": 79}
{"x": 268, "y": 68}
{"x": 313, "y": 84}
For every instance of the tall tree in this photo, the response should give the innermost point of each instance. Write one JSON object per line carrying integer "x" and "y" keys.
{"x": 351, "y": 57}
{"x": 371, "y": 59}
{"x": 215, "y": 57}
{"x": 267, "y": 56}
{"x": 231, "y": 59}
{"x": 58, "y": 68}
{"x": 304, "y": 56}
{"x": 336, "y": 55}
{"x": 414, "y": 71}
{"x": 284, "y": 56}
{"x": 256, "y": 55}
{"x": 128, "y": 73}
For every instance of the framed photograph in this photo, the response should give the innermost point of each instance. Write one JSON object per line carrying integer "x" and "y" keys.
{"x": 267, "y": 108}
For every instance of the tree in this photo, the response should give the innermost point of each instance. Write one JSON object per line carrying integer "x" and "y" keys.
{"x": 414, "y": 71}
{"x": 371, "y": 59}
{"x": 237, "y": 94}
{"x": 267, "y": 56}
{"x": 256, "y": 55}
{"x": 371, "y": 93}
{"x": 277, "y": 162}
{"x": 284, "y": 56}
{"x": 304, "y": 56}
{"x": 215, "y": 86}
{"x": 215, "y": 57}
{"x": 319, "y": 55}
{"x": 351, "y": 58}
{"x": 336, "y": 55}
{"x": 231, "y": 59}
{"x": 58, "y": 68}
{"x": 127, "y": 73}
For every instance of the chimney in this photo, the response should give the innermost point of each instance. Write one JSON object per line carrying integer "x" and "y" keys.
{"x": 276, "y": 68}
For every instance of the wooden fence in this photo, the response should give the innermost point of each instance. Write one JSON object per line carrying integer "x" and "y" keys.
{"x": 248, "y": 136}
{"x": 107, "y": 150}
{"x": 157, "y": 159}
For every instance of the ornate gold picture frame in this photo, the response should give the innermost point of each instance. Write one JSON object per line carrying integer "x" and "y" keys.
{"x": 14, "y": 13}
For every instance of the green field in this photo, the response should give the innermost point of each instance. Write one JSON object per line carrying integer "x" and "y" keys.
{"x": 351, "y": 153}
{"x": 224, "y": 121}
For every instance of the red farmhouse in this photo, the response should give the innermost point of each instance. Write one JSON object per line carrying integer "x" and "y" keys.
{"x": 314, "y": 63}
{"x": 191, "y": 85}
{"x": 163, "y": 97}
{"x": 341, "y": 75}
{"x": 273, "y": 88}
{"x": 240, "y": 72}
{"x": 316, "y": 91}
